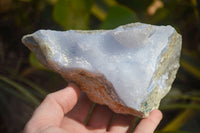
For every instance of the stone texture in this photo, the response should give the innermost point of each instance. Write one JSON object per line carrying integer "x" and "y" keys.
{"x": 130, "y": 68}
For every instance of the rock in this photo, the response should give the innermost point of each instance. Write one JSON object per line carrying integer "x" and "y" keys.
{"x": 130, "y": 68}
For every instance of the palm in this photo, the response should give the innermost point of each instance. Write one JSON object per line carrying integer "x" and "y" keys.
{"x": 99, "y": 120}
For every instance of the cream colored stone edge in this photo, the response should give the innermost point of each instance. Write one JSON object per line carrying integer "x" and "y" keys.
{"x": 153, "y": 100}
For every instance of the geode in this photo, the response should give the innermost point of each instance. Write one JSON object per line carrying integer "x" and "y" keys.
{"x": 129, "y": 69}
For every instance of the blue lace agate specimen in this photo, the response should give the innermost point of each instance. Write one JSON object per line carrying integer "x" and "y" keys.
{"x": 130, "y": 68}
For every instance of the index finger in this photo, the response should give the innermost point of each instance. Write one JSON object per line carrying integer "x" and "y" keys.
{"x": 51, "y": 111}
{"x": 149, "y": 124}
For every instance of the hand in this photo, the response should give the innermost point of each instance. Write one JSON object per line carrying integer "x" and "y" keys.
{"x": 57, "y": 114}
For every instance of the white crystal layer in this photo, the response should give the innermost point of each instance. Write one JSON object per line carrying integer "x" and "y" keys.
{"x": 128, "y": 56}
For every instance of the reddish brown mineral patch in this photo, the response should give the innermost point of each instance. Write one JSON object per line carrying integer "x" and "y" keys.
{"x": 99, "y": 90}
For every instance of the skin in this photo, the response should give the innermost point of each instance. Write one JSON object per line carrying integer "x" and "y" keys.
{"x": 66, "y": 110}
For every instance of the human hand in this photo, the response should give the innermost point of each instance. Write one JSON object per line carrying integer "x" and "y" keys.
{"x": 66, "y": 110}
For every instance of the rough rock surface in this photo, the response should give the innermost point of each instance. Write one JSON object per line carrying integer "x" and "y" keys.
{"x": 130, "y": 68}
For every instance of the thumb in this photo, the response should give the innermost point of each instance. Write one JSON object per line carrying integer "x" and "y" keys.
{"x": 52, "y": 110}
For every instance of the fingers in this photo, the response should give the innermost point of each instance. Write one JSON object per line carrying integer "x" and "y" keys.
{"x": 82, "y": 108}
{"x": 53, "y": 108}
{"x": 149, "y": 124}
{"x": 100, "y": 118}
{"x": 121, "y": 123}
